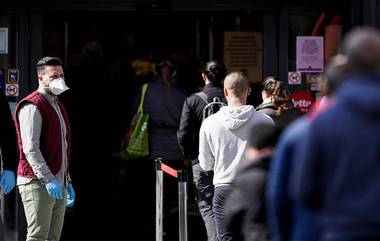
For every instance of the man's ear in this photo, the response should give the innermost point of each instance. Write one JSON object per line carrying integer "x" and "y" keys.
{"x": 249, "y": 91}
{"x": 204, "y": 77}
{"x": 225, "y": 92}
{"x": 41, "y": 80}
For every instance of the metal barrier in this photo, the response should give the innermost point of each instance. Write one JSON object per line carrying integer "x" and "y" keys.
{"x": 181, "y": 176}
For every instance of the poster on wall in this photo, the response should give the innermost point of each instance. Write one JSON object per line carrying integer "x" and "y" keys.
{"x": 310, "y": 54}
{"x": 13, "y": 76}
{"x": 12, "y": 90}
{"x": 314, "y": 80}
{"x": 12, "y": 84}
{"x": 243, "y": 52}
{"x": 294, "y": 78}
{"x": 3, "y": 40}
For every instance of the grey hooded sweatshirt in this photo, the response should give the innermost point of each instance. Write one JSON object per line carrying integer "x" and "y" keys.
{"x": 223, "y": 139}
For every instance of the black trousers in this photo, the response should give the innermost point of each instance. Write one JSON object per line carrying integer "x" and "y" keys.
{"x": 204, "y": 193}
{"x": 219, "y": 207}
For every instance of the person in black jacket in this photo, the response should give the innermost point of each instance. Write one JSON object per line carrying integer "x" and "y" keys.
{"x": 8, "y": 147}
{"x": 268, "y": 106}
{"x": 246, "y": 210}
{"x": 277, "y": 103}
{"x": 188, "y": 138}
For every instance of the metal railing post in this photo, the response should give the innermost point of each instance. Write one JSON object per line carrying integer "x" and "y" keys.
{"x": 182, "y": 204}
{"x": 159, "y": 200}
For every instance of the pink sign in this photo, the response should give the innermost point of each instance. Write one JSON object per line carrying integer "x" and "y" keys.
{"x": 310, "y": 54}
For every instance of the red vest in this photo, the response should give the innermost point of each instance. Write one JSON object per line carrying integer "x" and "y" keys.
{"x": 50, "y": 140}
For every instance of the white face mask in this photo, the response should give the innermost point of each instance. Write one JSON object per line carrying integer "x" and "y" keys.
{"x": 58, "y": 86}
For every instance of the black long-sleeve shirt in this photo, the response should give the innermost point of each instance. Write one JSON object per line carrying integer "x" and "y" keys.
{"x": 8, "y": 143}
{"x": 192, "y": 117}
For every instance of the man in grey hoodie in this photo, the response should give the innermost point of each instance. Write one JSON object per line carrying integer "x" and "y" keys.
{"x": 223, "y": 140}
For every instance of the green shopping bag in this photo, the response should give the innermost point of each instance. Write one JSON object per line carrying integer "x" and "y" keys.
{"x": 136, "y": 142}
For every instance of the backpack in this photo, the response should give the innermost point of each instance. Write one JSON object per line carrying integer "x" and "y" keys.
{"x": 212, "y": 107}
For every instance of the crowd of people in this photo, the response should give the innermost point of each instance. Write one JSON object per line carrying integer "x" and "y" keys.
{"x": 260, "y": 173}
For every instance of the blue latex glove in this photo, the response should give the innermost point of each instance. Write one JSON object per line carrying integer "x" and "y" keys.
{"x": 7, "y": 181}
{"x": 54, "y": 189}
{"x": 70, "y": 196}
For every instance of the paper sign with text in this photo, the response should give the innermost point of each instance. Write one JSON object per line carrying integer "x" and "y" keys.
{"x": 310, "y": 54}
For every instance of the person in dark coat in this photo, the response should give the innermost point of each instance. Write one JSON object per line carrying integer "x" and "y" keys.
{"x": 163, "y": 102}
{"x": 277, "y": 103}
{"x": 290, "y": 220}
{"x": 338, "y": 173}
{"x": 246, "y": 208}
{"x": 268, "y": 106}
{"x": 188, "y": 138}
{"x": 8, "y": 148}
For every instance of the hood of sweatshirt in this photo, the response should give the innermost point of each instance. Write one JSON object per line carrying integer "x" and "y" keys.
{"x": 234, "y": 117}
{"x": 362, "y": 95}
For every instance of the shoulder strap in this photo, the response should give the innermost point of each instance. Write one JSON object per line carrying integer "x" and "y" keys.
{"x": 143, "y": 92}
{"x": 203, "y": 96}
{"x": 215, "y": 102}
{"x": 216, "y": 99}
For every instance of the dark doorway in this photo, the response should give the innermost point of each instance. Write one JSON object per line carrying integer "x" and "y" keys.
{"x": 100, "y": 50}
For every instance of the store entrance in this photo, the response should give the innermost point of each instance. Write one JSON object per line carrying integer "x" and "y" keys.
{"x": 108, "y": 56}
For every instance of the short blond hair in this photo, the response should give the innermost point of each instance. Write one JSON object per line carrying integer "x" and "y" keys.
{"x": 236, "y": 83}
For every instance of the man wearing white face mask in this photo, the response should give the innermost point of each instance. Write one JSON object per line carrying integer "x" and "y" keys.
{"x": 44, "y": 136}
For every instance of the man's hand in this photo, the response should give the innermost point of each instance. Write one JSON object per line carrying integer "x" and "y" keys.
{"x": 54, "y": 189}
{"x": 70, "y": 196}
{"x": 7, "y": 181}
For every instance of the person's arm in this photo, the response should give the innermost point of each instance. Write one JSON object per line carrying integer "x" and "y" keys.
{"x": 185, "y": 131}
{"x": 264, "y": 119}
{"x": 278, "y": 204}
{"x": 8, "y": 140}
{"x": 307, "y": 181}
{"x": 206, "y": 157}
{"x": 30, "y": 121}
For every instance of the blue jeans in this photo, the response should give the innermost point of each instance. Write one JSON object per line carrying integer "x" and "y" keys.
{"x": 204, "y": 192}
{"x": 220, "y": 198}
